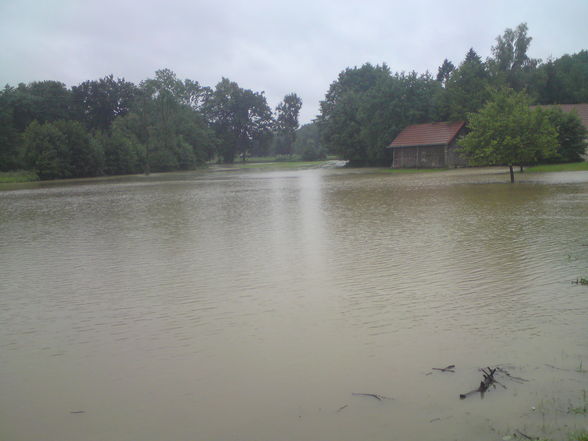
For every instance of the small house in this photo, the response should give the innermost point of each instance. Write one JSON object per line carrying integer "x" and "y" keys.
{"x": 431, "y": 145}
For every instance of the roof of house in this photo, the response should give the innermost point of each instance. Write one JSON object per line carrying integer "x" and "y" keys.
{"x": 438, "y": 133}
{"x": 581, "y": 110}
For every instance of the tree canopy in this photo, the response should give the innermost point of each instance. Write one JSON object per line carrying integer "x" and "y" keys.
{"x": 287, "y": 123}
{"x": 508, "y": 132}
{"x": 368, "y": 106}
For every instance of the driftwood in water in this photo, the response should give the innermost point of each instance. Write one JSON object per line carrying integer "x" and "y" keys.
{"x": 376, "y": 396}
{"x": 449, "y": 368}
{"x": 485, "y": 384}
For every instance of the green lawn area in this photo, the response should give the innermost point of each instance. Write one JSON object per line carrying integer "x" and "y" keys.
{"x": 574, "y": 166}
{"x": 276, "y": 164}
{"x": 17, "y": 176}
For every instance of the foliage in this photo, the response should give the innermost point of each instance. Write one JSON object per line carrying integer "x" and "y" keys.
{"x": 444, "y": 72}
{"x": 507, "y": 132}
{"x": 368, "y": 106}
{"x": 42, "y": 101}
{"x": 308, "y": 143}
{"x": 165, "y": 123}
{"x": 287, "y": 123}
{"x": 571, "y": 135}
{"x": 9, "y": 136}
{"x": 562, "y": 81}
{"x": 241, "y": 118}
{"x": 61, "y": 150}
{"x": 98, "y": 103}
{"x": 466, "y": 90}
{"x": 510, "y": 65}
{"x": 169, "y": 123}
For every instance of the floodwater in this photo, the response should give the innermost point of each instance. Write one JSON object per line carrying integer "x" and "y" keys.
{"x": 251, "y": 306}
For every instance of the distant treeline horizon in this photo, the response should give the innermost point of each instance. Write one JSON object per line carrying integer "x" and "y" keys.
{"x": 112, "y": 126}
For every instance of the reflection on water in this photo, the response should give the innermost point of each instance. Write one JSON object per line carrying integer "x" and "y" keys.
{"x": 251, "y": 305}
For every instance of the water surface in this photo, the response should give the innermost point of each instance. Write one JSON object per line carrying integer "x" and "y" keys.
{"x": 250, "y": 305}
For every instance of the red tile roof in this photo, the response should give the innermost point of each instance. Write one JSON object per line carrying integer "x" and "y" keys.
{"x": 439, "y": 133}
{"x": 581, "y": 110}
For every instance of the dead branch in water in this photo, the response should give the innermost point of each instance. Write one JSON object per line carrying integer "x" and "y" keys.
{"x": 376, "y": 396}
{"x": 485, "y": 384}
{"x": 449, "y": 368}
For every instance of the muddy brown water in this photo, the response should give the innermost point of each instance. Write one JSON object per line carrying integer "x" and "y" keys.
{"x": 252, "y": 305}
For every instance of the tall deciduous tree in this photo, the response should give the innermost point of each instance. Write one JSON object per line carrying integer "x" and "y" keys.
{"x": 98, "y": 103}
{"x": 287, "y": 122}
{"x": 510, "y": 65}
{"x": 169, "y": 123}
{"x": 240, "y": 117}
{"x": 42, "y": 101}
{"x": 508, "y": 132}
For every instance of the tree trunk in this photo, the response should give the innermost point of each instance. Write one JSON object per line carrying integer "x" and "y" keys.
{"x": 522, "y": 168}
{"x": 511, "y": 174}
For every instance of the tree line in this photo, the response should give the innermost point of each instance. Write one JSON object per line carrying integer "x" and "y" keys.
{"x": 112, "y": 126}
{"x": 366, "y": 107}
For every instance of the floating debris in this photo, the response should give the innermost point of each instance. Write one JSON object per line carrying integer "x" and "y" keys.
{"x": 485, "y": 384}
{"x": 450, "y": 368}
{"x": 376, "y": 396}
{"x": 342, "y": 407}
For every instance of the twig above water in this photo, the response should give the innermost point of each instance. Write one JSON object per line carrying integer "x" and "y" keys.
{"x": 449, "y": 368}
{"x": 376, "y": 396}
{"x": 487, "y": 381}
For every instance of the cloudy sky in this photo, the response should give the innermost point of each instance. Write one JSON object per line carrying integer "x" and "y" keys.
{"x": 273, "y": 46}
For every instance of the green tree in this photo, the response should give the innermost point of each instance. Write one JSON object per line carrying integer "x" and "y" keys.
{"x": 368, "y": 106}
{"x": 444, "y": 72}
{"x": 510, "y": 65}
{"x": 9, "y": 136}
{"x": 42, "y": 101}
{"x": 563, "y": 81}
{"x": 241, "y": 118}
{"x": 506, "y": 131}
{"x": 169, "y": 124}
{"x": 287, "y": 122}
{"x": 571, "y": 135}
{"x": 98, "y": 103}
{"x": 62, "y": 149}
{"x": 123, "y": 151}
{"x": 83, "y": 158}
{"x": 44, "y": 151}
{"x": 466, "y": 90}
{"x": 308, "y": 143}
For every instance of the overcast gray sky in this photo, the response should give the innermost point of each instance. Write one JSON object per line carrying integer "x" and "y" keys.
{"x": 273, "y": 46}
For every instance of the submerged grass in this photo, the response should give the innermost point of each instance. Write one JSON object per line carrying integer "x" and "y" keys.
{"x": 402, "y": 171}
{"x": 18, "y": 176}
{"x": 574, "y": 166}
